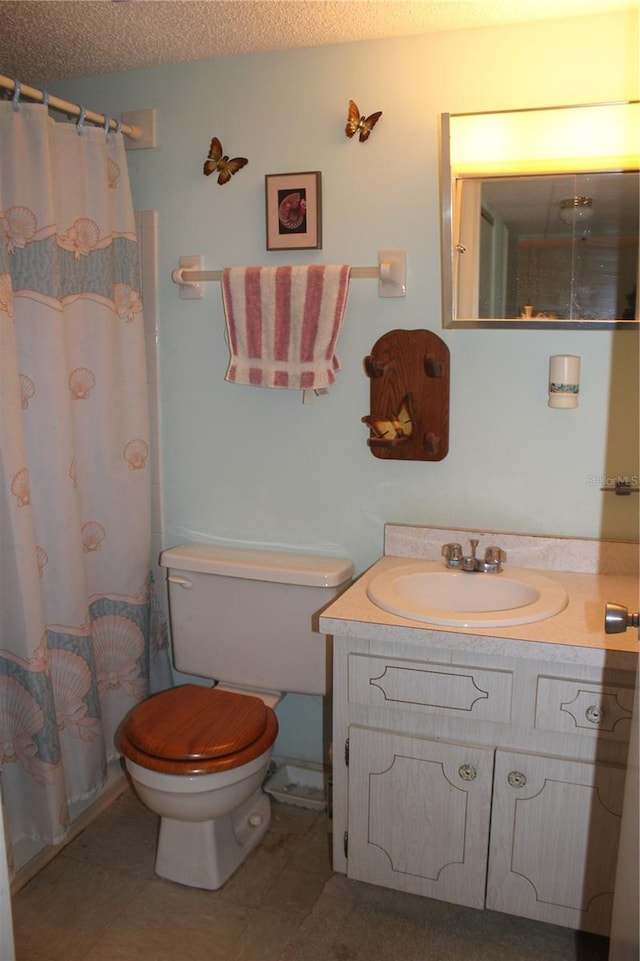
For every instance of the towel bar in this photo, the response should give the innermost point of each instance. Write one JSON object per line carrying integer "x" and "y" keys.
{"x": 390, "y": 274}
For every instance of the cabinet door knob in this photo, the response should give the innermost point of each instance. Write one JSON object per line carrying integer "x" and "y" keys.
{"x": 516, "y": 779}
{"x": 467, "y": 772}
{"x": 595, "y": 713}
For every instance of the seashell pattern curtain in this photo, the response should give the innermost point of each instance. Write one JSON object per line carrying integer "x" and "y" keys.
{"x": 81, "y": 639}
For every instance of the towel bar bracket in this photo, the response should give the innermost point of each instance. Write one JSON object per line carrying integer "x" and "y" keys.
{"x": 191, "y": 288}
{"x": 390, "y": 273}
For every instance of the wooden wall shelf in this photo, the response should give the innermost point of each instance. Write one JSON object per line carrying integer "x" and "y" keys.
{"x": 409, "y": 376}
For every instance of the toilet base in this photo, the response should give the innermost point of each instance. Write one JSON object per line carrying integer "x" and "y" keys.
{"x": 204, "y": 854}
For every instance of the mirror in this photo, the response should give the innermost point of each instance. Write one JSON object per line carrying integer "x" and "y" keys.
{"x": 561, "y": 248}
{"x": 536, "y": 235}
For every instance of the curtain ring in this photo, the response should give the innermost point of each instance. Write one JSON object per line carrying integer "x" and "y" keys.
{"x": 119, "y": 125}
{"x": 16, "y": 94}
{"x": 81, "y": 119}
{"x": 107, "y": 124}
{"x": 45, "y": 98}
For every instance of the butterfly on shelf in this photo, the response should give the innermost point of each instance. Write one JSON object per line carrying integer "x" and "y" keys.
{"x": 216, "y": 161}
{"x": 357, "y": 123}
{"x": 398, "y": 426}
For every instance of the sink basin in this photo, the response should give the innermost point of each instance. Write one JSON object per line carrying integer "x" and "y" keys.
{"x": 424, "y": 592}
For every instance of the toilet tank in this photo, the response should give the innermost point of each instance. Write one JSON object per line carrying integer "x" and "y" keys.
{"x": 247, "y": 617}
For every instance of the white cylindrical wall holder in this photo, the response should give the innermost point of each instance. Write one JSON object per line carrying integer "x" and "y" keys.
{"x": 564, "y": 380}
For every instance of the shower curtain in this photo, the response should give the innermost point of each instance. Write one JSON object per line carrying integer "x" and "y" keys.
{"x": 81, "y": 635}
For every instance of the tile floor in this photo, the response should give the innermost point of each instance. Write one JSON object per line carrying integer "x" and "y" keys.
{"x": 99, "y": 900}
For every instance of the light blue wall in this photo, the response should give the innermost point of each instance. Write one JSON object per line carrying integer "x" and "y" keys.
{"x": 254, "y": 466}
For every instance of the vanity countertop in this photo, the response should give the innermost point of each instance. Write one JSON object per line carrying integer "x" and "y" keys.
{"x": 574, "y": 635}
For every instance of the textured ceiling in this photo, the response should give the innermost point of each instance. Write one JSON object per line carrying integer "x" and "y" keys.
{"x": 47, "y": 40}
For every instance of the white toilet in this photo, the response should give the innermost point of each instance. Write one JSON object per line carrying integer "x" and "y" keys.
{"x": 197, "y": 755}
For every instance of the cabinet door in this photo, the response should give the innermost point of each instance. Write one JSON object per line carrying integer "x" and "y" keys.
{"x": 419, "y": 815}
{"x": 554, "y": 839}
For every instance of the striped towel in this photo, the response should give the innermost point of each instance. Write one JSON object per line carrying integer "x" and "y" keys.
{"x": 283, "y": 324}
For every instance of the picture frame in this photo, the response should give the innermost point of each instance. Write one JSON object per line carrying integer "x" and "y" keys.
{"x": 294, "y": 211}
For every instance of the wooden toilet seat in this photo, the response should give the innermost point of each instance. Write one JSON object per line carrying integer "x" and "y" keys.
{"x": 191, "y": 730}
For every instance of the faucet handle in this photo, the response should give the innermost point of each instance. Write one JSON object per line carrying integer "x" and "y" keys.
{"x": 495, "y": 556}
{"x": 453, "y": 554}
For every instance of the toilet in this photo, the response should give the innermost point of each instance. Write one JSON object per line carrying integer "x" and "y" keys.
{"x": 198, "y": 755}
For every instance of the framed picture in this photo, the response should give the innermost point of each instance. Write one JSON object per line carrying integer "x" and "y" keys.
{"x": 293, "y": 211}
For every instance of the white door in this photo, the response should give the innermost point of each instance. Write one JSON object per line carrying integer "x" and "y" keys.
{"x": 625, "y": 923}
{"x": 554, "y": 834}
{"x": 419, "y": 815}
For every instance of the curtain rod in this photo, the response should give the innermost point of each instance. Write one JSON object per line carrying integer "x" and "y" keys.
{"x": 55, "y": 103}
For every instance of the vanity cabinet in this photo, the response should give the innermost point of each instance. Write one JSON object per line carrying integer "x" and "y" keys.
{"x": 478, "y": 779}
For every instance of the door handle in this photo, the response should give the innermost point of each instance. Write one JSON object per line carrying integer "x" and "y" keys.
{"x": 617, "y": 619}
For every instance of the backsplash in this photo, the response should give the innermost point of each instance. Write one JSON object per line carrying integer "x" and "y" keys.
{"x": 581, "y": 555}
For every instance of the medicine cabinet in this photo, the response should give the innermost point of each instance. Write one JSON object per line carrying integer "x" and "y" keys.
{"x": 540, "y": 217}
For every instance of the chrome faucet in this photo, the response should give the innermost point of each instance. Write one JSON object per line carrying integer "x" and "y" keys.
{"x": 456, "y": 560}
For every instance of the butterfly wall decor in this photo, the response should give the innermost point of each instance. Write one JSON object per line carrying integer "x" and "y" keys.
{"x": 397, "y": 427}
{"x": 358, "y": 123}
{"x": 217, "y": 161}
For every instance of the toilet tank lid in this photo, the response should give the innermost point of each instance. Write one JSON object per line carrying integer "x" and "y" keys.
{"x": 310, "y": 570}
